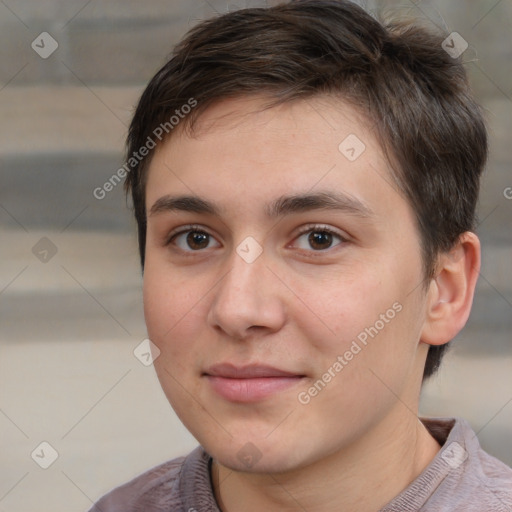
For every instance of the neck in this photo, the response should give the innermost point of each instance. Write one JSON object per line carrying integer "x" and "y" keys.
{"x": 384, "y": 461}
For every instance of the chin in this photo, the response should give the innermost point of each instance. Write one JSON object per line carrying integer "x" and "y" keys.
{"x": 260, "y": 455}
{"x": 262, "y": 463}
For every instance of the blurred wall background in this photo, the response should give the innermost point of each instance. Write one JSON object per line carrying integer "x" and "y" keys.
{"x": 70, "y": 284}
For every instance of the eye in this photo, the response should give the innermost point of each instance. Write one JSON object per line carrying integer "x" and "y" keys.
{"x": 320, "y": 238}
{"x": 192, "y": 239}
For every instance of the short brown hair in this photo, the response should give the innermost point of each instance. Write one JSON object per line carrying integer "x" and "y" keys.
{"x": 397, "y": 74}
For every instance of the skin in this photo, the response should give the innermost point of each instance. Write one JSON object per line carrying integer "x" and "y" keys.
{"x": 296, "y": 307}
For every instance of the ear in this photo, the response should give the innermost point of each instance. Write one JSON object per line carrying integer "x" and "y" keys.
{"x": 450, "y": 295}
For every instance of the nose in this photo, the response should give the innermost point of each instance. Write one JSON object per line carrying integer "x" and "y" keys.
{"x": 247, "y": 301}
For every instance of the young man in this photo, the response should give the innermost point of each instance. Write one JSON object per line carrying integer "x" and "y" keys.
{"x": 304, "y": 180}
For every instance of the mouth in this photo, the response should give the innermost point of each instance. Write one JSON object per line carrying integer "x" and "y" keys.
{"x": 250, "y": 383}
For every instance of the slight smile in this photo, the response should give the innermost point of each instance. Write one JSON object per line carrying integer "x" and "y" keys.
{"x": 249, "y": 383}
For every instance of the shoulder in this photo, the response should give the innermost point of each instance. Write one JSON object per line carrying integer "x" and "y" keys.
{"x": 494, "y": 478}
{"x": 462, "y": 477}
{"x": 156, "y": 490}
{"x": 474, "y": 480}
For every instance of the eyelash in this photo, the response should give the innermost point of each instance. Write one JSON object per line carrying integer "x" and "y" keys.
{"x": 306, "y": 229}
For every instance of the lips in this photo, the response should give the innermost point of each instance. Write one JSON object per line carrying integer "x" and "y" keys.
{"x": 250, "y": 383}
{"x": 231, "y": 371}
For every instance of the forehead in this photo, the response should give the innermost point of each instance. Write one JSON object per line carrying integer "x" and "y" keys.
{"x": 264, "y": 125}
{"x": 240, "y": 152}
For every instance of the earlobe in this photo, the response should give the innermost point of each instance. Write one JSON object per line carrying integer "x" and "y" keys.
{"x": 450, "y": 296}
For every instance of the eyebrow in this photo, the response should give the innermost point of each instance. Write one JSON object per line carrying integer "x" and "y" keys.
{"x": 283, "y": 205}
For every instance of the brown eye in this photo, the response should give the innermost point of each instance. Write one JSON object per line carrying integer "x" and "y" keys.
{"x": 191, "y": 240}
{"x": 197, "y": 240}
{"x": 318, "y": 238}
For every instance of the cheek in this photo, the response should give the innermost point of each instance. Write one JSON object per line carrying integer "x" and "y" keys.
{"x": 172, "y": 325}
{"x": 337, "y": 309}
{"x": 372, "y": 323}
{"x": 169, "y": 316}
{"x": 167, "y": 300}
{"x": 359, "y": 382}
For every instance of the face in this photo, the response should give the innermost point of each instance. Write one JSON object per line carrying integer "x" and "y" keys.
{"x": 288, "y": 326}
